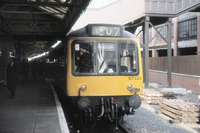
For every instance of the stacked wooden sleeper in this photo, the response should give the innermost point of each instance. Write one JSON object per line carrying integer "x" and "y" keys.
{"x": 153, "y": 96}
{"x": 187, "y": 112}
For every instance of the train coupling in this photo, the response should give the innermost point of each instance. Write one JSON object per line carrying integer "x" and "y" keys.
{"x": 128, "y": 110}
{"x": 131, "y": 111}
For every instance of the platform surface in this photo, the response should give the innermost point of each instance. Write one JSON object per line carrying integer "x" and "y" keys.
{"x": 32, "y": 110}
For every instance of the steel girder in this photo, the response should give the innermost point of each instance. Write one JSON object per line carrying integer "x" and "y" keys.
{"x": 64, "y": 3}
{"x": 29, "y": 26}
{"x": 51, "y": 26}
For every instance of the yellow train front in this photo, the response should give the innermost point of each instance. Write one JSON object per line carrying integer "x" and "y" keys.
{"x": 104, "y": 71}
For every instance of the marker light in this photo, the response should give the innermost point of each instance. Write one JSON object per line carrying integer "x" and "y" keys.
{"x": 129, "y": 86}
{"x": 83, "y": 87}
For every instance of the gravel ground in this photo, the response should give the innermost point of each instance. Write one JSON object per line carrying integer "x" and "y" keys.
{"x": 147, "y": 121}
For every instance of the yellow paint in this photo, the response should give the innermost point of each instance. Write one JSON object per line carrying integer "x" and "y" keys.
{"x": 102, "y": 85}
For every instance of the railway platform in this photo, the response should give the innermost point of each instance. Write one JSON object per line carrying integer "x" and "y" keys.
{"x": 34, "y": 109}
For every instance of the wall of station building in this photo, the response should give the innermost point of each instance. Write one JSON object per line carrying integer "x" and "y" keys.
{"x": 185, "y": 36}
{"x": 189, "y": 82}
{"x": 185, "y": 42}
{"x": 117, "y": 12}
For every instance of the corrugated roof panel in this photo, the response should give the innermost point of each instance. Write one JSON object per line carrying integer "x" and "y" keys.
{"x": 55, "y": 11}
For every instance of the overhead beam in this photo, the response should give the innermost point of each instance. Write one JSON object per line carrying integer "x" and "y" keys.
{"x": 29, "y": 26}
{"x": 28, "y": 12}
{"x": 64, "y": 3}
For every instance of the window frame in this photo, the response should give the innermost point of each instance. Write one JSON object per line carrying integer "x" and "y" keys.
{"x": 137, "y": 58}
{"x": 95, "y": 61}
{"x": 187, "y": 29}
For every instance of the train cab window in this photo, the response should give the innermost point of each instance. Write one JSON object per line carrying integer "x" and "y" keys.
{"x": 128, "y": 58}
{"x": 83, "y": 57}
{"x": 106, "y": 57}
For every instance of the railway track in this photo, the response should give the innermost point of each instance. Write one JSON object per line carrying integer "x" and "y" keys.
{"x": 121, "y": 128}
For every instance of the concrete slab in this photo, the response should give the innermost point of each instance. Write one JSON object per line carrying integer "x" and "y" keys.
{"x": 33, "y": 110}
{"x": 182, "y": 91}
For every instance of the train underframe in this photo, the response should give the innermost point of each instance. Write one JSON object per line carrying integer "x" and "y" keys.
{"x": 92, "y": 109}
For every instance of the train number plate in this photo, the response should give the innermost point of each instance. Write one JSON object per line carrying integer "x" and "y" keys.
{"x": 135, "y": 90}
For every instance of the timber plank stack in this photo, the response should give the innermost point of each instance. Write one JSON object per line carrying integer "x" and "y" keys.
{"x": 154, "y": 96}
{"x": 186, "y": 112}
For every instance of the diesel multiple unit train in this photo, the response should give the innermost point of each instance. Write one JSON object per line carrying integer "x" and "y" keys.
{"x": 100, "y": 70}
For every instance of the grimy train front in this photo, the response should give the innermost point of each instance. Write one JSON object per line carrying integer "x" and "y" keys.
{"x": 104, "y": 72}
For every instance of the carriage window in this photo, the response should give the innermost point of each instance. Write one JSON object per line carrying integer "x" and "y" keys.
{"x": 106, "y": 57}
{"x": 128, "y": 58}
{"x": 83, "y": 58}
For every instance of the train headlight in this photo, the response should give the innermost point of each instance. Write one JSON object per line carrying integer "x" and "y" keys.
{"x": 129, "y": 87}
{"x": 83, "y": 87}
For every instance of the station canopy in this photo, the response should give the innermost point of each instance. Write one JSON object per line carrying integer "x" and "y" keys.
{"x": 37, "y": 24}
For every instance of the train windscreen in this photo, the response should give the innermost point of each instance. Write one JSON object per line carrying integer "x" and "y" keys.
{"x": 128, "y": 58}
{"x": 83, "y": 57}
{"x": 104, "y": 57}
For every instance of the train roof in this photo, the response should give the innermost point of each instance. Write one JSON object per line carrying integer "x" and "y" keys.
{"x": 84, "y": 32}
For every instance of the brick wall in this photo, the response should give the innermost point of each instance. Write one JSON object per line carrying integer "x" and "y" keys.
{"x": 188, "y": 82}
